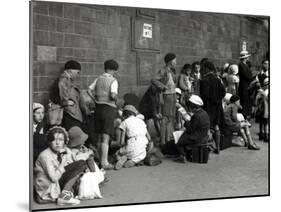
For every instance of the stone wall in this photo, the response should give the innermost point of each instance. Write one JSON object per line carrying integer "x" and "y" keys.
{"x": 92, "y": 34}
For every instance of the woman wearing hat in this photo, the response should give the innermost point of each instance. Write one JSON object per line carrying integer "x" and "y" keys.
{"x": 165, "y": 82}
{"x": 54, "y": 179}
{"x": 245, "y": 76}
{"x": 133, "y": 138}
{"x": 197, "y": 125}
{"x": 234, "y": 125}
{"x": 70, "y": 95}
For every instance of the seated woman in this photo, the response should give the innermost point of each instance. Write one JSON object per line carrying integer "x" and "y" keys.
{"x": 197, "y": 125}
{"x": 134, "y": 138}
{"x": 234, "y": 125}
{"x": 54, "y": 172}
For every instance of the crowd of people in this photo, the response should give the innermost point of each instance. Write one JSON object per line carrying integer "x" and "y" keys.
{"x": 78, "y": 139}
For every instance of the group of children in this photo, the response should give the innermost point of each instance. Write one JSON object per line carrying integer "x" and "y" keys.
{"x": 61, "y": 158}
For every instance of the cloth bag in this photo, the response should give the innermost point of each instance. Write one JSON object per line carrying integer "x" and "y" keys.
{"x": 89, "y": 184}
{"x": 54, "y": 114}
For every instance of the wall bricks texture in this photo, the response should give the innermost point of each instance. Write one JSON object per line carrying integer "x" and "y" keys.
{"x": 92, "y": 34}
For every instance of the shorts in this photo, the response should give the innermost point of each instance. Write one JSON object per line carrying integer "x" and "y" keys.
{"x": 104, "y": 119}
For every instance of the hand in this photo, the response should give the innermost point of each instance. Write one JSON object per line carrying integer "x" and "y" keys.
{"x": 178, "y": 105}
{"x": 70, "y": 102}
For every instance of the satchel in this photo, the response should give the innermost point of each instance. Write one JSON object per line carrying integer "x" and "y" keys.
{"x": 54, "y": 114}
{"x": 153, "y": 157}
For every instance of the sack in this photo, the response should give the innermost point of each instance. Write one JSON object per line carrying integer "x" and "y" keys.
{"x": 89, "y": 186}
{"x": 54, "y": 114}
{"x": 153, "y": 157}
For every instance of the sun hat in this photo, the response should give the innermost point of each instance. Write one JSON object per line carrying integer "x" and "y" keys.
{"x": 37, "y": 106}
{"x": 195, "y": 100}
{"x": 169, "y": 57}
{"x": 76, "y": 137}
{"x": 131, "y": 108}
{"x": 244, "y": 54}
{"x": 233, "y": 69}
{"x": 178, "y": 90}
{"x": 227, "y": 97}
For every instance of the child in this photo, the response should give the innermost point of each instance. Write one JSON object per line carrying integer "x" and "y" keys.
{"x": 185, "y": 80}
{"x": 39, "y": 138}
{"x": 262, "y": 112}
{"x": 232, "y": 79}
{"x": 54, "y": 179}
{"x": 179, "y": 118}
{"x": 234, "y": 125}
{"x": 134, "y": 147}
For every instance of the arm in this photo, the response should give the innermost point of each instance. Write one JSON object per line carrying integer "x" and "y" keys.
{"x": 53, "y": 172}
{"x": 182, "y": 83}
{"x": 114, "y": 90}
{"x": 64, "y": 85}
{"x": 157, "y": 80}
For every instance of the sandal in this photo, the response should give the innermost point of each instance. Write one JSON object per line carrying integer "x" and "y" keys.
{"x": 108, "y": 167}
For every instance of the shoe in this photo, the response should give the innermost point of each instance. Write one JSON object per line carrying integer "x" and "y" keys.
{"x": 66, "y": 198}
{"x": 120, "y": 162}
{"x": 253, "y": 147}
{"x": 180, "y": 159}
{"x": 129, "y": 164}
{"x": 108, "y": 167}
{"x": 261, "y": 136}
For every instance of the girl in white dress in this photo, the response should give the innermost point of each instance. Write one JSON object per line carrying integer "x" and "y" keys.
{"x": 133, "y": 138}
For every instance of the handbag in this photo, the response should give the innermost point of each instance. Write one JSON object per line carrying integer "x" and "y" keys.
{"x": 54, "y": 114}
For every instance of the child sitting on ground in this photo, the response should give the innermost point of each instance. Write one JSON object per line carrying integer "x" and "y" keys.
{"x": 133, "y": 138}
{"x": 39, "y": 127}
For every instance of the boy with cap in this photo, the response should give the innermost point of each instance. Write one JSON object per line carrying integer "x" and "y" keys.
{"x": 197, "y": 125}
{"x": 104, "y": 90}
{"x": 70, "y": 95}
{"x": 165, "y": 82}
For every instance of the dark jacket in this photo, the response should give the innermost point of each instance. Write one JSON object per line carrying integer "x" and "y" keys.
{"x": 198, "y": 127}
{"x": 245, "y": 80}
{"x": 212, "y": 92}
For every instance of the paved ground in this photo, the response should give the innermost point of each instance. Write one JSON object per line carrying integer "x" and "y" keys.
{"x": 237, "y": 171}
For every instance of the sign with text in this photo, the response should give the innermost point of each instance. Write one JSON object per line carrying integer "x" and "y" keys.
{"x": 147, "y": 30}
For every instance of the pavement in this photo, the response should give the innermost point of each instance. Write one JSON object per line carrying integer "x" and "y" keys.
{"x": 235, "y": 172}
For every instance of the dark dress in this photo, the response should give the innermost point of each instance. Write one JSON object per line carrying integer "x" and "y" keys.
{"x": 39, "y": 140}
{"x": 245, "y": 80}
{"x": 196, "y": 129}
{"x": 212, "y": 92}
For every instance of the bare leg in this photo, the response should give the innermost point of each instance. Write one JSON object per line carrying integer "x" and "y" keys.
{"x": 164, "y": 130}
{"x": 104, "y": 150}
{"x": 217, "y": 138}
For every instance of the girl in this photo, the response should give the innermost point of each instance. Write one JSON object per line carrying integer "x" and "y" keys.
{"x": 234, "y": 125}
{"x": 55, "y": 174}
{"x": 134, "y": 138}
{"x": 232, "y": 79}
{"x": 185, "y": 80}
{"x": 39, "y": 138}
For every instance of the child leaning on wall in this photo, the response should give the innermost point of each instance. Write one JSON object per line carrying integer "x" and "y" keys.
{"x": 39, "y": 129}
{"x": 133, "y": 138}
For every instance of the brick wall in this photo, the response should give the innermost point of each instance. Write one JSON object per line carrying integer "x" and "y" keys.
{"x": 92, "y": 34}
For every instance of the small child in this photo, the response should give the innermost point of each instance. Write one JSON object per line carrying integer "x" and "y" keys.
{"x": 179, "y": 118}
{"x": 262, "y": 112}
{"x": 77, "y": 139}
{"x": 232, "y": 79}
{"x": 39, "y": 139}
{"x": 185, "y": 80}
{"x": 133, "y": 138}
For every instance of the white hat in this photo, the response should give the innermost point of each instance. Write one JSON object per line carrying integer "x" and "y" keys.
{"x": 227, "y": 97}
{"x": 244, "y": 54}
{"x": 225, "y": 66}
{"x": 233, "y": 69}
{"x": 131, "y": 108}
{"x": 37, "y": 106}
{"x": 178, "y": 90}
{"x": 196, "y": 100}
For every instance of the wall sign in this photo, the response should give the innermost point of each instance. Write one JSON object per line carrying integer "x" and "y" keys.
{"x": 147, "y": 30}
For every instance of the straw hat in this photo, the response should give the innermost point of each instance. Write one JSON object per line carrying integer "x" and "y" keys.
{"x": 244, "y": 54}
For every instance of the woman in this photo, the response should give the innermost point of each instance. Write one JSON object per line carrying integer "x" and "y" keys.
{"x": 55, "y": 172}
{"x": 234, "y": 125}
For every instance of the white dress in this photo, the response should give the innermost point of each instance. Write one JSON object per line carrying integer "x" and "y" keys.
{"x": 135, "y": 130}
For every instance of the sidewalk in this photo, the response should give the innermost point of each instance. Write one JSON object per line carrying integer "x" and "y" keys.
{"x": 236, "y": 171}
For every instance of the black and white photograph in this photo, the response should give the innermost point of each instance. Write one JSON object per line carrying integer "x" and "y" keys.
{"x": 139, "y": 105}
